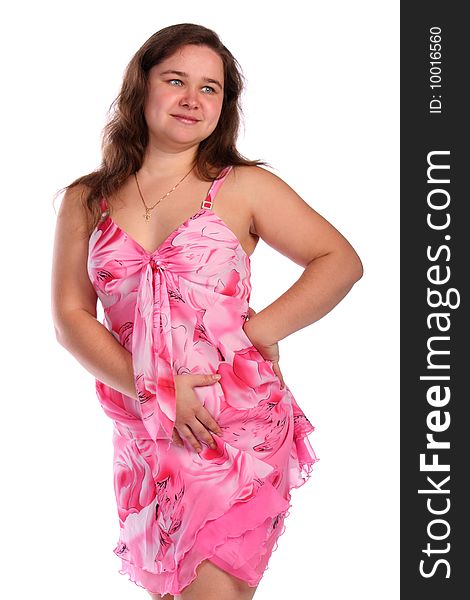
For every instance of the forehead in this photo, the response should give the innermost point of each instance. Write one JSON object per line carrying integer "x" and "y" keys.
{"x": 197, "y": 61}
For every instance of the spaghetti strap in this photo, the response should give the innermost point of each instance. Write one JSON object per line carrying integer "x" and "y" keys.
{"x": 216, "y": 184}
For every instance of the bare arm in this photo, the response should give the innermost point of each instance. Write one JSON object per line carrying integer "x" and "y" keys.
{"x": 74, "y": 302}
{"x": 288, "y": 224}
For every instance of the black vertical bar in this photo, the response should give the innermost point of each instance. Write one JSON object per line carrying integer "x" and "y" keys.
{"x": 434, "y": 262}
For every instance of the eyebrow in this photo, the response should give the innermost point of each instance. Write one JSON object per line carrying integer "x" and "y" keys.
{"x": 182, "y": 74}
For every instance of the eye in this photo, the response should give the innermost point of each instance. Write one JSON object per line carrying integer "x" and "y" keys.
{"x": 206, "y": 86}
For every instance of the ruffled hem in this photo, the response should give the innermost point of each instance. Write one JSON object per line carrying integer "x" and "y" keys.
{"x": 228, "y": 545}
{"x": 244, "y": 543}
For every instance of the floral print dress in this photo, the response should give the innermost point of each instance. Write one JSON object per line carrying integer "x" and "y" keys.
{"x": 181, "y": 309}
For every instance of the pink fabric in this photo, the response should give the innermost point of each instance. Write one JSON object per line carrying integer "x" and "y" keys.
{"x": 181, "y": 309}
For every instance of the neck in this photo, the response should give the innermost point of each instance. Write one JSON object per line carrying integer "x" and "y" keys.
{"x": 162, "y": 165}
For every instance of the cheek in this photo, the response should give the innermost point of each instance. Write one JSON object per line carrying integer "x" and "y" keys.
{"x": 215, "y": 110}
{"x": 158, "y": 100}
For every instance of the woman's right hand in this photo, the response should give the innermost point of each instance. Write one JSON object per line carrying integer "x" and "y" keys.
{"x": 193, "y": 421}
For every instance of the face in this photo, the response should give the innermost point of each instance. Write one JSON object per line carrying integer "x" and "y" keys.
{"x": 189, "y": 84}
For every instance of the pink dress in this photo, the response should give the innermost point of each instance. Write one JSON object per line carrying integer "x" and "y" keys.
{"x": 181, "y": 309}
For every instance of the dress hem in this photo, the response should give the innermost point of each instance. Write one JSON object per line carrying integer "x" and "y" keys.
{"x": 135, "y": 573}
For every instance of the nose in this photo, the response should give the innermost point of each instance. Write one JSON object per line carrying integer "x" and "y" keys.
{"x": 190, "y": 98}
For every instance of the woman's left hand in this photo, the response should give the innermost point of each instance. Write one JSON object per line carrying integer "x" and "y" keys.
{"x": 268, "y": 352}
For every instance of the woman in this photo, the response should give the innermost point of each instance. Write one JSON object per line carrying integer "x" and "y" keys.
{"x": 203, "y": 466}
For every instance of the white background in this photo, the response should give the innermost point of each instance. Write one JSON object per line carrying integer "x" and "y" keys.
{"x": 321, "y": 106}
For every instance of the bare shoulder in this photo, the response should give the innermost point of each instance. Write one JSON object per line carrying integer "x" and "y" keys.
{"x": 261, "y": 186}
{"x": 71, "y": 286}
{"x": 252, "y": 186}
{"x": 284, "y": 220}
{"x": 255, "y": 177}
{"x": 73, "y": 215}
{"x": 268, "y": 196}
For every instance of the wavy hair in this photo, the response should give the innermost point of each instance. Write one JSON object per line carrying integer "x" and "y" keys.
{"x": 125, "y": 136}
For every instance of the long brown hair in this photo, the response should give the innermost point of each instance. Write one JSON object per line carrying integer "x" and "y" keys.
{"x": 125, "y": 136}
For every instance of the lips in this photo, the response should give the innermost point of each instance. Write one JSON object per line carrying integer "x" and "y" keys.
{"x": 185, "y": 119}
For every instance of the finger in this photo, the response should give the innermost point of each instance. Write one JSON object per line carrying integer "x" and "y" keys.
{"x": 192, "y": 379}
{"x": 277, "y": 370}
{"x": 205, "y": 417}
{"x": 188, "y": 435}
{"x": 202, "y": 434}
{"x": 205, "y": 379}
{"x": 177, "y": 439}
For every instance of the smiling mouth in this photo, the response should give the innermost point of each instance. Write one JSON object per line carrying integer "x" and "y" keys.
{"x": 185, "y": 120}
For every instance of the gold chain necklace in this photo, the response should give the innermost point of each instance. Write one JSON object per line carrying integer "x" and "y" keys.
{"x": 147, "y": 208}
